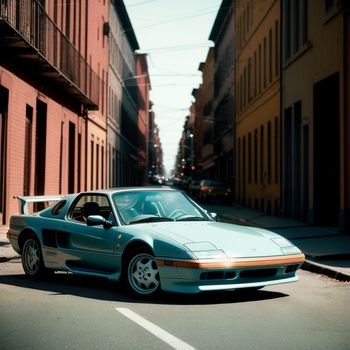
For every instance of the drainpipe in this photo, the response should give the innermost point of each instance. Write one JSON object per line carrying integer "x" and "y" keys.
{"x": 345, "y": 217}
{"x": 281, "y": 179}
{"x": 85, "y": 111}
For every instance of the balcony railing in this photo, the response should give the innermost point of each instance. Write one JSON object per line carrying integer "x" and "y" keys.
{"x": 26, "y": 25}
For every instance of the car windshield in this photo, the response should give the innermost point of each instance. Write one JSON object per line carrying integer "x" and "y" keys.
{"x": 136, "y": 207}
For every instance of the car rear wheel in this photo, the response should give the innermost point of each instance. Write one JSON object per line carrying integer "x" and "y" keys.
{"x": 32, "y": 260}
{"x": 142, "y": 274}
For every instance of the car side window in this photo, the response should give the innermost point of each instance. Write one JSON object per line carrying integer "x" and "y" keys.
{"x": 92, "y": 204}
{"x": 58, "y": 207}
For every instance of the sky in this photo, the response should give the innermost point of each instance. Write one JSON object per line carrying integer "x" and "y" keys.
{"x": 174, "y": 34}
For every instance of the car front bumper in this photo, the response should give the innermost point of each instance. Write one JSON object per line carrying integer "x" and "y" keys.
{"x": 194, "y": 276}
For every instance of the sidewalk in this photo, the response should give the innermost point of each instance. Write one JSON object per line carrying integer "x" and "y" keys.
{"x": 327, "y": 251}
{"x": 6, "y": 251}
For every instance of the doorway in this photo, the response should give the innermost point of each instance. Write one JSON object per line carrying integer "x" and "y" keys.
{"x": 326, "y": 151}
{"x": 40, "y": 149}
{"x": 3, "y": 152}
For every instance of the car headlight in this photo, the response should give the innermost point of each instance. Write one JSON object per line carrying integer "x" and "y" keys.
{"x": 210, "y": 254}
{"x": 286, "y": 246}
{"x": 205, "y": 250}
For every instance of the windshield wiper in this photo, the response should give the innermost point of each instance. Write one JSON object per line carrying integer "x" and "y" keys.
{"x": 150, "y": 219}
{"x": 192, "y": 218}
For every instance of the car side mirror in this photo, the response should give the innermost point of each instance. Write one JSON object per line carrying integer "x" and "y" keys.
{"x": 214, "y": 216}
{"x": 98, "y": 220}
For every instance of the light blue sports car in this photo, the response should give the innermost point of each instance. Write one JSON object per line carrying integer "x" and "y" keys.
{"x": 150, "y": 239}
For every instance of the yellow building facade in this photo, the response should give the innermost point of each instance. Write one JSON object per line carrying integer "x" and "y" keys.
{"x": 314, "y": 116}
{"x": 257, "y": 104}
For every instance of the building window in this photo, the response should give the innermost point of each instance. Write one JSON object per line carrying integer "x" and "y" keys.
{"x": 71, "y": 158}
{"x": 260, "y": 69}
{"x": 27, "y": 150}
{"x": 276, "y": 150}
{"x": 103, "y": 90}
{"x": 269, "y": 149}
{"x": 102, "y": 166}
{"x": 97, "y": 166}
{"x": 255, "y": 74}
{"x": 270, "y": 55}
{"x": 287, "y": 29}
{"x": 245, "y": 87}
{"x": 262, "y": 154}
{"x": 238, "y": 36}
{"x": 277, "y": 51}
{"x": 256, "y": 156}
{"x": 61, "y": 158}
{"x": 304, "y": 21}
{"x": 329, "y": 4}
{"x": 295, "y": 27}
{"x": 244, "y": 25}
{"x": 79, "y": 161}
{"x": 241, "y": 92}
{"x": 244, "y": 169}
{"x": 247, "y": 14}
{"x": 265, "y": 63}
{"x": 249, "y": 79}
{"x": 92, "y": 165}
{"x": 250, "y": 158}
{"x": 239, "y": 168}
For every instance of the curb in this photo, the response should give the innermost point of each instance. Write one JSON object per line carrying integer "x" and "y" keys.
{"x": 322, "y": 270}
{"x": 4, "y": 259}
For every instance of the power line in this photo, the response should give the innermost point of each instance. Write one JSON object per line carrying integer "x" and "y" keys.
{"x": 176, "y": 75}
{"x": 169, "y": 107}
{"x": 177, "y": 48}
{"x": 141, "y": 3}
{"x": 172, "y": 20}
{"x": 168, "y": 70}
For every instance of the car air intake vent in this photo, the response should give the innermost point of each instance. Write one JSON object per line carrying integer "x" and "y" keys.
{"x": 291, "y": 268}
{"x": 258, "y": 273}
{"x": 218, "y": 275}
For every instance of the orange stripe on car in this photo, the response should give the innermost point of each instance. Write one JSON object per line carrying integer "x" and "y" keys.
{"x": 232, "y": 263}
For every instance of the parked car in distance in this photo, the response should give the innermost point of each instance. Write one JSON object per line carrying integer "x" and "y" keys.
{"x": 213, "y": 189}
{"x": 193, "y": 188}
{"x": 150, "y": 239}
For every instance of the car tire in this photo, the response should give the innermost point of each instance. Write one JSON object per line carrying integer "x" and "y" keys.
{"x": 32, "y": 259}
{"x": 142, "y": 275}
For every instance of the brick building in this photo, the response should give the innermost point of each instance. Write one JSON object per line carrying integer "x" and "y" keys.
{"x": 70, "y": 103}
{"x": 46, "y": 86}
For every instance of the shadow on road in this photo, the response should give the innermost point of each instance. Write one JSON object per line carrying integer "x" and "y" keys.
{"x": 103, "y": 289}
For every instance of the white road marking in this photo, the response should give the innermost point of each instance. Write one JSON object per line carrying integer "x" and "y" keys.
{"x": 168, "y": 338}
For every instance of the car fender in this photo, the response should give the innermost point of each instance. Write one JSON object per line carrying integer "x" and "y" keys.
{"x": 160, "y": 247}
{"x": 26, "y": 232}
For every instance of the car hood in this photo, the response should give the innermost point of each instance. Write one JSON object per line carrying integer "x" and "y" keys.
{"x": 233, "y": 240}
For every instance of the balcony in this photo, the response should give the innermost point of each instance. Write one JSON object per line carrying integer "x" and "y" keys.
{"x": 34, "y": 48}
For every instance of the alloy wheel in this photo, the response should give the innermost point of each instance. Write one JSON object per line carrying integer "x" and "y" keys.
{"x": 143, "y": 274}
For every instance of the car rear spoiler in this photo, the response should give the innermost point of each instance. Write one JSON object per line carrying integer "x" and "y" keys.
{"x": 25, "y": 200}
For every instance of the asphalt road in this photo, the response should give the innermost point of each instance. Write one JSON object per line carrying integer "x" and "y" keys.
{"x": 74, "y": 312}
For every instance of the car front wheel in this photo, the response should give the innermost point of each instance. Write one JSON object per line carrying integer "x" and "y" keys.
{"x": 32, "y": 261}
{"x": 142, "y": 274}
